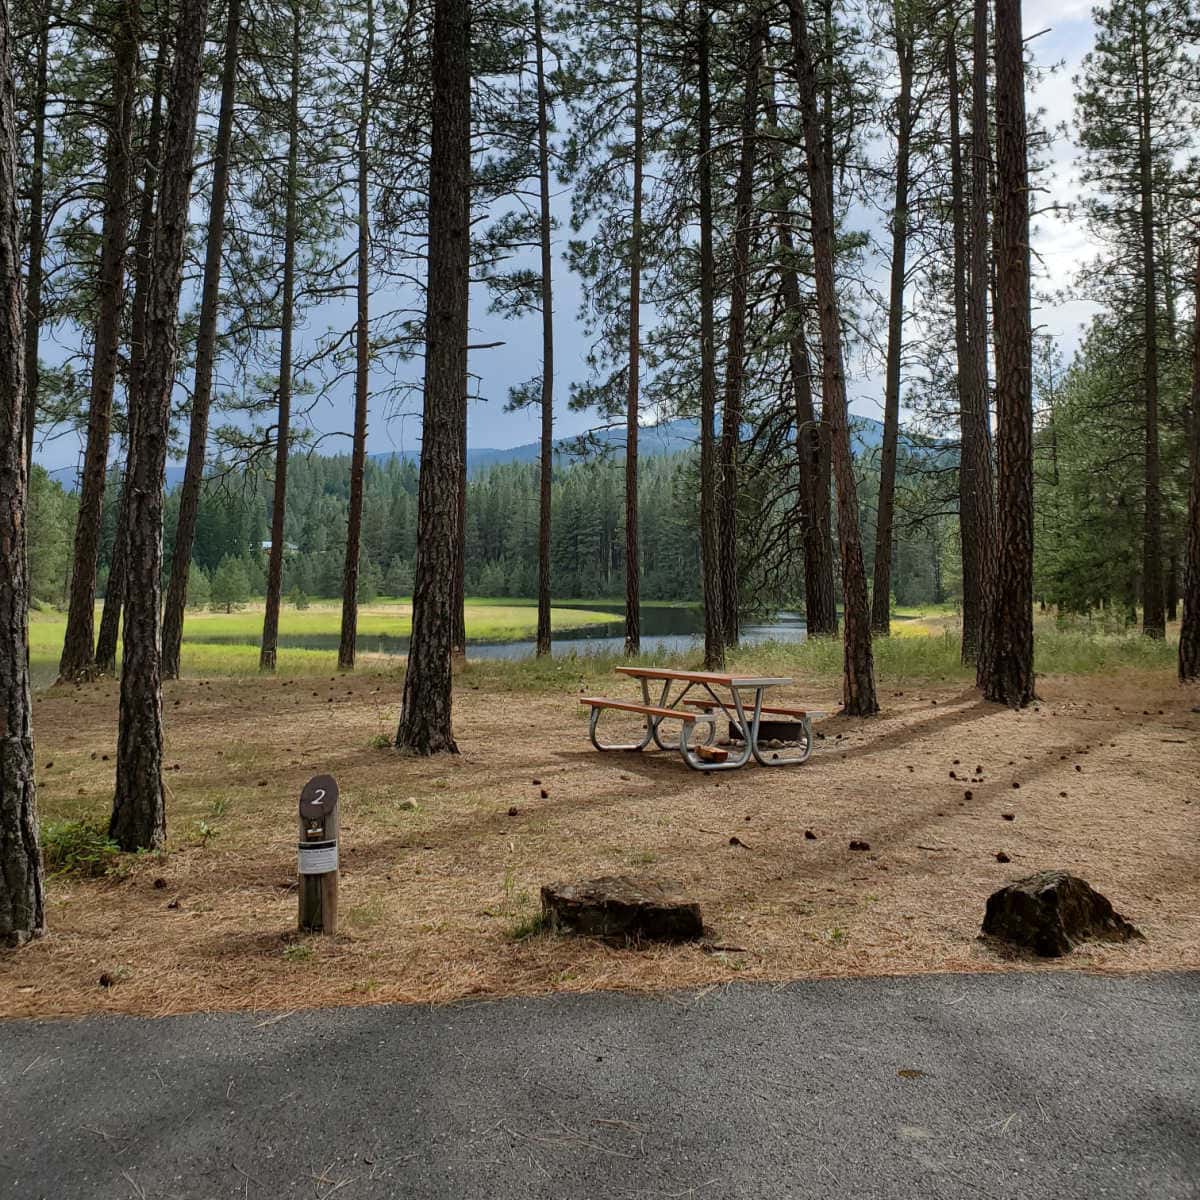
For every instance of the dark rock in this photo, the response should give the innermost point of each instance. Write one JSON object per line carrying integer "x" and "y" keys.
{"x": 1051, "y": 912}
{"x": 160, "y": 883}
{"x": 621, "y": 906}
{"x": 545, "y": 794}
{"x": 1002, "y": 857}
{"x": 1008, "y": 816}
{"x": 513, "y": 810}
{"x": 860, "y": 845}
{"x": 809, "y": 836}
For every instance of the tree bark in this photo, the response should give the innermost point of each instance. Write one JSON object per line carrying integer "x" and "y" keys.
{"x": 206, "y": 346}
{"x": 114, "y": 592}
{"x": 881, "y": 613}
{"x": 1189, "y": 628}
{"x": 78, "y": 655}
{"x": 22, "y": 902}
{"x": 820, "y": 602}
{"x": 425, "y": 715}
{"x": 735, "y": 353}
{"x": 977, "y": 504}
{"x": 139, "y": 816}
{"x": 859, "y": 697}
{"x": 710, "y": 564}
{"x": 36, "y": 240}
{"x": 547, "y": 446}
{"x": 270, "y": 634}
{"x": 633, "y": 558}
{"x": 1154, "y": 623}
{"x": 1007, "y": 665}
{"x": 362, "y": 362}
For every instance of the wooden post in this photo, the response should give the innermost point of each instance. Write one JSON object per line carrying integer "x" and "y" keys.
{"x": 318, "y": 848}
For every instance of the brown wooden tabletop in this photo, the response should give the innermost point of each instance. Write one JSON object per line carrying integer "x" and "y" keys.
{"x": 712, "y": 678}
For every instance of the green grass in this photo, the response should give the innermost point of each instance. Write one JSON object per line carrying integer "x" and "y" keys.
{"x": 927, "y": 657}
{"x": 925, "y": 650}
{"x": 228, "y": 643}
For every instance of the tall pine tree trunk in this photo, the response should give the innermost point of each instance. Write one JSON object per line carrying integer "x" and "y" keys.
{"x": 270, "y": 634}
{"x": 22, "y": 903}
{"x": 547, "y": 446}
{"x": 1189, "y": 629}
{"x": 1007, "y": 663}
{"x": 139, "y": 815}
{"x": 735, "y": 355}
{"x": 206, "y": 352}
{"x": 78, "y": 654}
{"x": 710, "y": 564}
{"x": 425, "y": 715}
{"x": 36, "y": 237}
{"x": 1154, "y": 622}
{"x": 977, "y": 503}
{"x": 114, "y": 591}
{"x": 633, "y": 559}
{"x": 362, "y": 361}
{"x": 859, "y": 697}
{"x": 881, "y": 612}
{"x": 820, "y": 602}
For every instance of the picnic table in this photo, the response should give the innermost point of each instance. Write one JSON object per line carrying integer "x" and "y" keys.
{"x": 737, "y": 697}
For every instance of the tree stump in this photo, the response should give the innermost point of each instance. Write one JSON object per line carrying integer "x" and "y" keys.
{"x": 1051, "y": 912}
{"x": 621, "y": 906}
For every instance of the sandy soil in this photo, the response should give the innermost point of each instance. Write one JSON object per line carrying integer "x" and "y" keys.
{"x": 1101, "y": 778}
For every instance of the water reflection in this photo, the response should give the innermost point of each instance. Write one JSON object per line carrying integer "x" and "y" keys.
{"x": 664, "y": 630}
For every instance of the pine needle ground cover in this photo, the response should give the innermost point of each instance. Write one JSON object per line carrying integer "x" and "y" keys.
{"x": 443, "y": 859}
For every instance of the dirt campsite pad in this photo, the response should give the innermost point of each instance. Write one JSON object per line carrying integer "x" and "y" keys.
{"x": 442, "y": 859}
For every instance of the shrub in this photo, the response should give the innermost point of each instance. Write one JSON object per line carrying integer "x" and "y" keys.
{"x": 79, "y": 848}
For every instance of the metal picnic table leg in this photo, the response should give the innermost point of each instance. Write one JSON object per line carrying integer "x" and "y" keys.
{"x": 750, "y": 732}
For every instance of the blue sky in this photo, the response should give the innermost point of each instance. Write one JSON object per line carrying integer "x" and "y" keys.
{"x": 1060, "y": 246}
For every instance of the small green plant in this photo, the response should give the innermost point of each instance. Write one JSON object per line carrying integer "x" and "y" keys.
{"x": 204, "y": 833}
{"x": 79, "y": 848}
{"x": 526, "y": 927}
{"x": 644, "y": 858}
{"x": 380, "y": 741}
{"x": 298, "y": 952}
{"x": 366, "y": 914}
{"x": 836, "y": 936}
{"x": 219, "y": 807}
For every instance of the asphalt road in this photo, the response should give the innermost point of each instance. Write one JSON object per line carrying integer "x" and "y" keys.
{"x": 1025, "y": 1085}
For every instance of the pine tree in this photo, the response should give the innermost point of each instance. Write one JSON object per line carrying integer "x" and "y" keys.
{"x": 206, "y": 351}
{"x": 1134, "y": 115}
{"x": 1189, "y": 630}
{"x": 78, "y": 655}
{"x": 22, "y": 903}
{"x": 425, "y": 716}
{"x": 1006, "y": 665}
{"x": 859, "y": 697}
{"x": 139, "y": 815}
{"x": 362, "y": 350}
{"x": 710, "y": 561}
{"x": 903, "y": 35}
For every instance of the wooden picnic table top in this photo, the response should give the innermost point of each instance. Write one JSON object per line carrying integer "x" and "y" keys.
{"x": 712, "y": 678}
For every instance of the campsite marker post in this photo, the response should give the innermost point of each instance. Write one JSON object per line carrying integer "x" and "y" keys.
{"x": 318, "y": 851}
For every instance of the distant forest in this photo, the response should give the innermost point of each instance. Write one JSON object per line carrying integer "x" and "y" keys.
{"x": 587, "y": 548}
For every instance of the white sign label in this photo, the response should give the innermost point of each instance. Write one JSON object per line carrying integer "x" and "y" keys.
{"x": 318, "y": 860}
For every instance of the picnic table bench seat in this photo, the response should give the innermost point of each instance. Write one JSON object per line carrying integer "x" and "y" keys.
{"x": 651, "y": 710}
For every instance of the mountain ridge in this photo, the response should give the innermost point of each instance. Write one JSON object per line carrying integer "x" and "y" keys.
{"x": 669, "y": 437}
